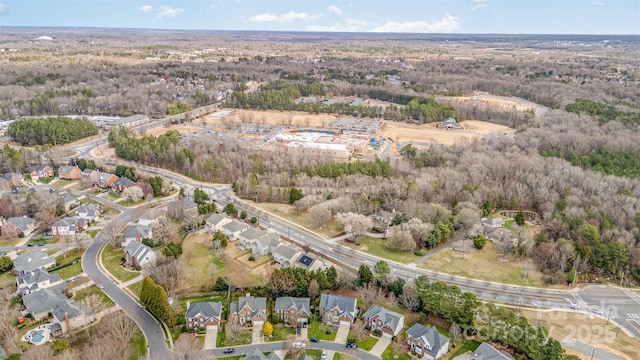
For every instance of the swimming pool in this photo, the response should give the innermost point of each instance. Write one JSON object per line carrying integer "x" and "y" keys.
{"x": 37, "y": 336}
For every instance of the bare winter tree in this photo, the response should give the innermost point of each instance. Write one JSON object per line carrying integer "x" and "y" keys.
{"x": 133, "y": 193}
{"x": 410, "y": 297}
{"x": 38, "y": 353}
{"x": 355, "y": 225}
{"x": 187, "y": 347}
{"x": 232, "y": 330}
{"x": 456, "y": 332}
{"x": 168, "y": 272}
{"x": 346, "y": 279}
{"x": 400, "y": 240}
{"x": 319, "y": 215}
{"x": 164, "y": 230}
{"x": 369, "y": 293}
{"x": 8, "y": 314}
{"x": 289, "y": 347}
{"x": 120, "y": 327}
{"x": 110, "y": 233}
{"x": 314, "y": 289}
{"x": 93, "y": 305}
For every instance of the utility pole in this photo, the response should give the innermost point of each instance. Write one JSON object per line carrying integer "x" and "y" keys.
{"x": 592, "y": 352}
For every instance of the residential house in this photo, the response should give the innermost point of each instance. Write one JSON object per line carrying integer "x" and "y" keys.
{"x": 122, "y": 183}
{"x": 338, "y": 309}
{"x": 494, "y": 223}
{"x": 384, "y": 218}
{"x": 256, "y": 354}
{"x": 387, "y": 321}
{"x": 182, "y": 207}
{"x": 89, "y": 211}
{"x": 249, "y": 236}
{"x": 449, "y": 123}
{"x": 69, "y": 172}
{"x": 151, "y": 216}
{"x": 286, "y": 255}
{"x": 138, "y": 254}
{"x": 265, "y": 244}
{"x": 427, "y": 342}
{"x": 66, "y": 312}
{"x": 249, "y": 309}
{"x": 136, "y": 233}
{"x": 28, "y": 262}
{"x": 105, "y": 180}
{"x": 69, "y": 201}
{"x": 41, "y": 171}
{"x": 310, "y": 262}
{"x": 203, "y": 315}
{"x": 215, "y": 222}
{"x": 92, "y": 174}
{"x": 69, "y": 226}
{"x": 293, "y": 310}
{"x": 233, "y": 229}
{"x": 36, "y": 280}
{"x": 21, "y": 224}
{"x": 485, "y": 352}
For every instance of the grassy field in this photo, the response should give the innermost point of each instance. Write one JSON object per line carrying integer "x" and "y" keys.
{"x": 378, "y": 247}
{"x": 288, "y": 212}
{"x": 71, "y": 254}
{"x": 317, "y": 329}
{"x": 44, "y": 241}
{"x": 92, "y": 233}
{"x": 470, "y": 345}
{"x": 63, "y": 182}
{"x": 7, "y": 278}
{"x": 69, "y": 271}
{"x": 202, "y": 266}
{"x": 81, "y": 294}
{"x": 136, "y": 288}
{"x": 477, "y": 265}
{"x": 129, "y": 203}
{"x": 244, "y": 338}
{"x": 9, "y": 242}
{"x": 388, "y": 355}
{"x": 138, "y": 346}
{"x": 586, "y": 328}
{"x": 203, "y": 298}
{"x": 112, "y": 260}
{"x": 368, "y": 343}
{"x": 280, "y": 332}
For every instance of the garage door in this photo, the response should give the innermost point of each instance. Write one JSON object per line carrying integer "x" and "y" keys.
{"x": 212, "y": 327}
{"x": 348, "y": 323}
{"x": 387, "y": 335}
{"x": 258, "y": 323}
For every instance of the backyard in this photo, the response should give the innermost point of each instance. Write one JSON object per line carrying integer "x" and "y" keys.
{"x": 112, "y": 261}
{"x": 83, "y": 293}
{"x": 70, "y": 265}
{"x": 476, "y": 264}
{"x": 378, "y": 247}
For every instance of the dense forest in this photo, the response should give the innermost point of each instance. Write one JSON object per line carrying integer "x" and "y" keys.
{"x": 51, "y": 130}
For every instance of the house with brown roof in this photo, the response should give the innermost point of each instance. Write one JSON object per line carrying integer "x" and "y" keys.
{"x": 41, "y": 171}
{"x": 105, "y": 180}
{"x": 69, "y": 172}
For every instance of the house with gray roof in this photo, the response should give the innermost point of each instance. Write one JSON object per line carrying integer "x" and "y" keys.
{"x": 249, "y": 309}
{"x": 258, "y": 355}
{"x": 215, "y": 222}
{"x": 69, "y": 201}
{"x": 182, "y": 207}
{"x": 203, "y": 315}
{"x": 69, "y": 172}
{"x": 89, "y": 211}
{"x": 41, "y": 171}
{"x": 68, "y": 226}
{"x": 310, "y": 262}
{"x": 493, "y": 223}
{"x": 249, "y": 236}
{"x": 66, "y": 312}
{"x": 122, "y": 183}
{"x": 136, "y": 233}
{"x": 293, "y": 310}
{"x": 449, "y": 123}
{"x": 338, "y": 309}
{"x": 105, "y": 180}
{"x": 90, "y": 173}
{"x": 233, "y": 229}
{"x": 485, "y": 352}
{"x": 36, "y": 280}
{"x": 138, "y": 254}
{"x": 286, "y": 255}
{"x": 265, "y": 244}
{"x": 427, "y": 342}
{"x": 387, "y": 321}
{"x": 20, "y": 224}
{"x": 28, "y": 262}
{"x": 151, "y": 216}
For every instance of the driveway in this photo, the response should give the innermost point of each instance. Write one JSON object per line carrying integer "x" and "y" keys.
{"x": 210, "y": 339}
{"x": 342, "y": 334}
{"x": 304, "y": 334}
{"x": 257, "y": 337}
{"x": 380, "y": 346}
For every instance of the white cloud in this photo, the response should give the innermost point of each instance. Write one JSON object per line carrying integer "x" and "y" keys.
{"x": 335, "y": 9}
{"x": 445, "y": 25}
{"x": 167, "y": 11}
{"x": 479, "y": 4}
{"x": 286, "y": 17}
{"x": 145, "y": 8}
{"x": 349, "y": 25}
{"x": 4, "y": 9}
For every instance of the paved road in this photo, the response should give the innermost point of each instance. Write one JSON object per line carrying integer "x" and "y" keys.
{"x": 148, "y": 324}
{"x": 589, "y": 350}
{"x": 277, "y": 345}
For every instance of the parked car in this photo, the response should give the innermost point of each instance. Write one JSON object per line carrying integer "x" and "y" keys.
{"x": 324, "y": 354}
{"x": 229, "y": 350}
{"x": 595, "y": 310}
{"x": 298, "y": 344}
{"x": 574, "y": 306}
{"x": 352, "y": 346}
{"x": 314, "y": 340}
{"x": 100, "y": 286}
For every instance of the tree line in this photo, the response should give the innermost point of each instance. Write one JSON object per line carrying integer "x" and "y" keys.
{"x": 51, "y": 130}
{"x": 603, "y": 112}
{"x": 618, "y": 163}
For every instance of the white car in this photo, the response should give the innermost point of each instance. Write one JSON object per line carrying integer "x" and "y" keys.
{"x": 574, "y": 306}
{"x": 595, "y": 310}
{"x": 298, "y": 344}
{"x": 324, "y": 355}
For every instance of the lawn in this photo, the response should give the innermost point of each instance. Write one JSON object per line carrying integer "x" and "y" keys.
{"x": 366, "y": 344}
{"x": 63, "y": 182}
{"x": 388, "y": 355}
{"x": 44, "y": 241}
{"x": 195, "y": 299}
{"x": 244, "y": 338}
{"x": 136, "y": 288}
{"x": 280, "y": 332}
{"x": 477, "y": 265}
{"x": 317, "y": 329}
{"x": 129, "y": 203}
{"x": 202, "y": 266}
{"x": 236, "y": 357}
{"x": 71, "y": 254}
{"x": 81, "y": 294}
{"x": 112, "y": 261}
{"x": 314, "y": 353}
{"x": 114, "y": 194}
{"x": 470, "y": 345}
{"x": 378, "y": 247}
{"x": 70, "y": 271}
{"x": 7, "y": 278}
{"x": 138, "y": 346}
{"x": 92, "y": 233}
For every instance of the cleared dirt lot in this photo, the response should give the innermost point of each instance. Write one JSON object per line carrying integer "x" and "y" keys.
{"x": 488, "y": 100}
{"x": 299, "y": 119}
{"x": 182, "y": 129}
{"x": 473, "y": 129}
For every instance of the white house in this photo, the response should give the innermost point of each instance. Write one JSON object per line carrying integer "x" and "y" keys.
{"x": 215, "y": 222}
{"x": 68, "y": 226}
{"x": 138, "y": 254}
{"x": 249, "y": 236}
{"x": 89, "y": 211}
{"x": 233, "y": 229}
{"x": 35, "y": 280}
{"x": 151, "y": 216}
{"x": 265, "y": 244}
{"x": 286, "y": 255}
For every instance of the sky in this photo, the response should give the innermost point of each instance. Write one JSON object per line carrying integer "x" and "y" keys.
{"x": 607, "y": 17}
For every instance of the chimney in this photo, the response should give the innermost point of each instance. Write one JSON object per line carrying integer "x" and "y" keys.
{"x": 247, "y": 294}
{"x": 67, "y": 322}
{"x": 188, "y": 304}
